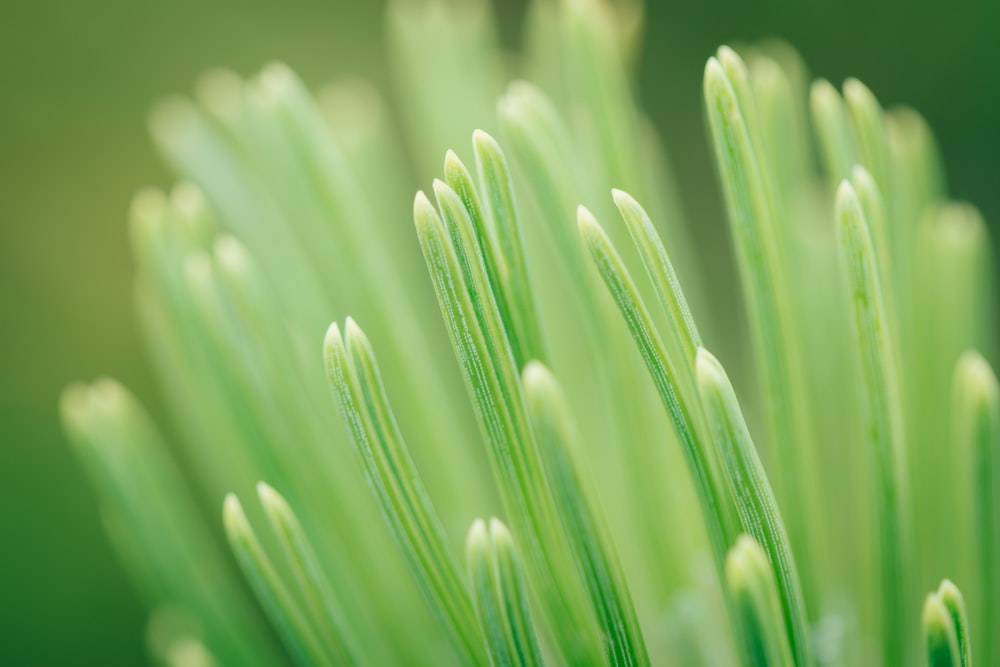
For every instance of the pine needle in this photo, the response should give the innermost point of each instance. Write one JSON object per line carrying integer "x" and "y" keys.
{"x": 883, "y": 418}
{"x": 754, "y": 499}
{"x": 976, "y": 423}
{"x": 501, "y": 597}
{"x": 595, "y": 556}
{"x": 357, "y": 383}
{"x": 946, "y": 628}
{"x": 751, "y": 581}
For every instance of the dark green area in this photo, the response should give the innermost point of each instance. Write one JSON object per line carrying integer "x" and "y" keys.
{"x": 77, "y": 79}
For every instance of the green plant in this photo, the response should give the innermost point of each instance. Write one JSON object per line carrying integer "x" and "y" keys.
{"x": 646, "y": 524}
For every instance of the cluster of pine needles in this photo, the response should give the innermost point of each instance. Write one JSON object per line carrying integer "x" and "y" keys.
{"x": 551, "y": 384}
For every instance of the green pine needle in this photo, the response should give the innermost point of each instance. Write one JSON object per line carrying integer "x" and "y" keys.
{"x": 976, "y": 420}
{"x": 833, "y": 131}
{"x": 753, "y": 497}
{"x": 496, "y": 184}
{"x": 332, "y": 623}
{"x": 355, "y": 378}
{"x": 665, "y": 377}
{"x": 474, "y": 314}
{"x": 595, "y": 556}
{"x": 946, "y": 628}
{"x": 154, "y": 521}
{"x": 883, "y": 417}
{"x": 661, "y": 272}
{"x": 501, "y": 597}
{"x": 283, "y": 610}
{"x": 755, "y": 223}
{"x": 750, "y": 578}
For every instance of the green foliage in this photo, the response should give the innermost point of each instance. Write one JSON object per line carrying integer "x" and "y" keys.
{"x": 154, "y": 522}
{"x": 282, "y": 609}
{"x": 665, "y": 376}
{"x": 755, "y": 593}
{"x": 659, "y": 511}
{"x": 757, "y": 223}
{"x": 391, "y": 474}
{"x": 946, "y": 628}
{"x": 754, "y": 500}
{"x": 501, "y": 600}
{"x": 882, "y": 414}
{"x": 577, "y": 508}
{"x": 976, "y": 420}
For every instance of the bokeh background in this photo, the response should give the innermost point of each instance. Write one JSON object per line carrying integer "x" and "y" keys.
{"x": 77, "y": 79}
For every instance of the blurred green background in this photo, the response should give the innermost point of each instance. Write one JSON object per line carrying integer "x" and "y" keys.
{"x": 77, "y": 80}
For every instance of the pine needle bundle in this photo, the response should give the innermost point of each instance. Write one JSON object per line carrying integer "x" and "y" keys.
{"x": 518, "y": 443}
